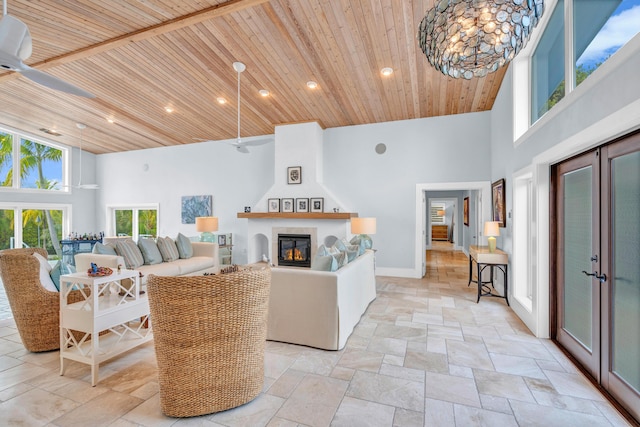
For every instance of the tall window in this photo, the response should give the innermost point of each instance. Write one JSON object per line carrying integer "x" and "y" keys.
{"x": 597, "y": 29}
{"x": 41, "y": 164}
{"x": 435, "y": 217}
{"x": 547, "y": 66}
{"x": 135, "y": 221}
{"x": 523, "y": 239}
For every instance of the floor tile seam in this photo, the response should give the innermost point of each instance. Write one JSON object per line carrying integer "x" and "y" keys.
{"x": 561, "y": 409}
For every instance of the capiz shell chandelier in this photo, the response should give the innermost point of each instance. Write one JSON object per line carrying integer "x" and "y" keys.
{"x": 471, "y": 38}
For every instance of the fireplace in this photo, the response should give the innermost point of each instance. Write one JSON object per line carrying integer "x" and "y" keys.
{"x": 294, "y": 250}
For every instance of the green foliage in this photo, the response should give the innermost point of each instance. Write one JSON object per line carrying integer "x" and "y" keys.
{"x": 124, "y": 222}
{"x": 148, "y": 222}
{"x": 581, "y": 75}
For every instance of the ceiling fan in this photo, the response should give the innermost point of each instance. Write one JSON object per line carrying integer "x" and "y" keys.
{"x": 80, "y": 185}
{"x": 240, "y": 144}
{"x": 15, "y": 47}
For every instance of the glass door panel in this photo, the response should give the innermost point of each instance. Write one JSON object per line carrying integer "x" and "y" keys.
{"x": 578, "y": 292}
{"x": 621, "y": 291}
{"x": 577, "y": 237}
{"x": 7, "y": 239}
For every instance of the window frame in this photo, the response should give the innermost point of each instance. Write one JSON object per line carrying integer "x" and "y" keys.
{"x": 17, "y": 137}
{"x": 136, "y": 208}
{"x": 19, "y": 207}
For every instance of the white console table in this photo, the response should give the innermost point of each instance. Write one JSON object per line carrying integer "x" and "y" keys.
{"x": 108, "y": 305}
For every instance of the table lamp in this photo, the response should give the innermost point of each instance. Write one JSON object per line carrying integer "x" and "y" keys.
{"x": 491, "y": 230}
{"x": 364, "y": 227}
{"x": 205, "y": 225}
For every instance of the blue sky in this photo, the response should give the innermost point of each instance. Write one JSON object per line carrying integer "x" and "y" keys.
{"x": 623, "y": 24}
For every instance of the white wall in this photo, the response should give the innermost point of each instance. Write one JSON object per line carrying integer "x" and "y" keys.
{"x": 235, "y": 180}
{"x": 440, "y": 149}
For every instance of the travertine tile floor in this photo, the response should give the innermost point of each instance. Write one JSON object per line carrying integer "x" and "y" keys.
{"x": 424, "y": 354}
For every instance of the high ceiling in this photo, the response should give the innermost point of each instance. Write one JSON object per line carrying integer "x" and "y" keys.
{"x": 139, "y": 57}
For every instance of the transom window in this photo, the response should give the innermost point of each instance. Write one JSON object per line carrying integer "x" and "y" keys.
{"x": 30, "y": 164}
{"x": 588, "y": 32}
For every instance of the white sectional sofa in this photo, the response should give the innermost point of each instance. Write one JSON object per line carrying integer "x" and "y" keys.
{"x": 204, "y": 260}
{"x": 320, "y": 308}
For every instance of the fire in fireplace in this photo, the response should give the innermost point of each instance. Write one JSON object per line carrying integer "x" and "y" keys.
{"x": 294, "y": 250}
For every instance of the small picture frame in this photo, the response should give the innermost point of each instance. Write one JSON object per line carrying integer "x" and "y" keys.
{"x": 287, "y": 205}
{"x": 465, "y": 212}
{"x": 302, "y": 205}
{"x": 273, "y": 205}
{"x": 294, "y": 175}
{"x": 317, "y": 204}
{"x": 222, "y": 240}
{"x": 498, "y": 206}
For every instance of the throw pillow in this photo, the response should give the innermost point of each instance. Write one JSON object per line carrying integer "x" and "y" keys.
{"x": 324, "y": 263}
{"x": 108, "y": 249}
{"x": 352, "y": 252}
{"x": 150, "y": 251}
{"x": 168, "y": 249}
{"x": 341, "y": 259}
{"x": 358, "y": 241}
{"x": 340, "y": 245}
{"x": 322, "y": 251}
{"x": 45, "y": 268}
{"x": 184, "y": 246}
{"x": 128, "y": 250}
{"x": 58, "y": 270}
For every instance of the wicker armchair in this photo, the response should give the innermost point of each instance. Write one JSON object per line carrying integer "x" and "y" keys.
{"x": 36, "y": 310}
{"x": 209, "y": 335}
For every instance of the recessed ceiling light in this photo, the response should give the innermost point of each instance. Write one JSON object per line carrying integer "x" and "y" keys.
{"x": 311, "y": 84}
{"x": 110, "y": 120}
{"x": 221, "y": 100}
{"x": 386, "y": 71}
{"x": 263, "y": 92}
{"x": 50, "y": 131}
{"x": 168, "y": 109}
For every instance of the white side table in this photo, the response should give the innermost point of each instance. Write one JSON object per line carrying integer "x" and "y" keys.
{"x": 126, "y": 317}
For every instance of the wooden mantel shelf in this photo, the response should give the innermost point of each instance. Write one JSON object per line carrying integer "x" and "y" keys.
{"x": 297, "y": 215}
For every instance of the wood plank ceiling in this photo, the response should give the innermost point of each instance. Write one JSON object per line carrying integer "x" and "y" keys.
{"x": 139, "y": 57}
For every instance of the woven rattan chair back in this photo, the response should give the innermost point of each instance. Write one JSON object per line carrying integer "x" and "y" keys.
{"x": 35, "y": 309}
{"x": 209, "y": 336}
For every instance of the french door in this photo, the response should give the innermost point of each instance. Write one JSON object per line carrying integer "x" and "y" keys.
{"x": 597, "y": 265}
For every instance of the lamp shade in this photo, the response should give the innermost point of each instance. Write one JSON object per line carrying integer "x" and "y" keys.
{"x": 491, "y": 228}
{"x": 363, "y": 226}
{"x": 206, "y": 224}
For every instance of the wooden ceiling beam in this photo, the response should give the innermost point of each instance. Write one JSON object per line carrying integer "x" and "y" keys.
{"x": 216, "y": 11}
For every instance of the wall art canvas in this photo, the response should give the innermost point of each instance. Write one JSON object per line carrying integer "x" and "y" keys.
{"x": 194, "y": 206}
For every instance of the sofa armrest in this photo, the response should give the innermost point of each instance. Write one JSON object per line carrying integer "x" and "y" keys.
{"x": 84, "y": 260}
{"x": 206, "y": 249}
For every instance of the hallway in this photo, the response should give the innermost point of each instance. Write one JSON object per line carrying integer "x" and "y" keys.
{"x": 424, "y": 354}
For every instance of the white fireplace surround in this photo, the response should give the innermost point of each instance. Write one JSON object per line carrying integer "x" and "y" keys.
{"x": 301, "y": 145}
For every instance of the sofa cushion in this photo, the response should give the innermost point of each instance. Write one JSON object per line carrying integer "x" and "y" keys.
{"x": 193, "y": 264}
{"x": 163, "y": 269}
{"x": 184, "y": 246}
{"x": 322, "y": 251}
{"x": 324, "y": 263}
{"x": 150, "y": 251}
{"x": 168, "y": 249}
{"x": 45, "y": 268}
{"x": 108, "y": 249}
{"x": 128, "y": 250}
{"x": 58, "y": 270}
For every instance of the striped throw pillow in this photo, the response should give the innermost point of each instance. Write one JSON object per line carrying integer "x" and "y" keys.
{"x": 168, "y": 249}
{"x": 128, "y": 250}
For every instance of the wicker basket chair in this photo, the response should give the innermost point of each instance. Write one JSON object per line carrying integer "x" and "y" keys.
{"x": 209, "y": 334}
{"x": 36, "y": 310}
